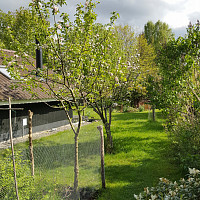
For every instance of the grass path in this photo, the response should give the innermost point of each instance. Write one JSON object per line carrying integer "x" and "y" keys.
{"x": 140, "y": 156}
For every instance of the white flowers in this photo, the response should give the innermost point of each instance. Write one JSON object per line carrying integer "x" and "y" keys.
{"x": 86, "y": 3}
{"x": 55, "y": 9}
{"x": 174, "y": 190}
{"x": 116, "y": 79}
{"x": 40, "y": 5}
{"x": 138, "y": 196}
{"x": 194, "y": 171}
{"x": 153, "y": 197}
{"x": 59, "y": 26}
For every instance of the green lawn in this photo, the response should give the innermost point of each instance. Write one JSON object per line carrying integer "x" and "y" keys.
{"x": 140, "y": 156}
{"x": 139, "y": 159}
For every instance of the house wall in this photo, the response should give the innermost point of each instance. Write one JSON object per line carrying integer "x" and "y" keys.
{"x": 44, "y": 118}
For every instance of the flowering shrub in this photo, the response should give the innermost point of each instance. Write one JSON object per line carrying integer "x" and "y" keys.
{"x": 188, "y": 189}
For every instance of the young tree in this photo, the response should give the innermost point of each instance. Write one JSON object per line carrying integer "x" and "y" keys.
{"x": 80, "y": 60}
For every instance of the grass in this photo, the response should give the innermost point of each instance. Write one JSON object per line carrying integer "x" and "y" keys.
{"x": 54, "y": 160}
{"x": 140, "y": 156}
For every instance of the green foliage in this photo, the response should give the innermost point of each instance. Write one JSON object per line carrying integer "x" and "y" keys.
{"x": 141, "y": 108}
{"x": 176, "y": 91}
{"x": 157, "y": 34}
{"x": 183, "y": 189}
{"x": 24, "y": 179}
{"x": 17, "y": 31}
{"x": 185, "y": 140}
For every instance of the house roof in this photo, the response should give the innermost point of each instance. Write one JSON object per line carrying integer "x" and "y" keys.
{"x": 18, "y": 95}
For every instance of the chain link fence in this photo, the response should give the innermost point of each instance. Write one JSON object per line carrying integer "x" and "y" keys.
{"x": 53, "y": 167}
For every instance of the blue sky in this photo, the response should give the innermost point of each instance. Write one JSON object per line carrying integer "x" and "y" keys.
{"x": 136, "y": 13}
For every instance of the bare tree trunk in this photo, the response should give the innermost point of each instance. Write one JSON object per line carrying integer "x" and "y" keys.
{"x": 76, "y": 164}
{"x": 76, "y": 169}
{"x": 109, "y": 138}
{"x": 122, "y": 107}
{"x": 110, "y": 115}
{"x": 12, "y": 147}
{"x": 100, "y": 128}
{"x": 153, "y": 113}
{"x": 30, "y": 114}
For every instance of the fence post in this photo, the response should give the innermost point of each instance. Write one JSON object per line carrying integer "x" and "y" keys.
{"x": 100, "y": 128}
{"x": 30, "y": 115}
{"x": 12, "y": 147}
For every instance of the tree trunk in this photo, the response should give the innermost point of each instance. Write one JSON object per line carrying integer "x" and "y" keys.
{"x": 109, "y": 146}
{"x": 100, "y": 128}
{"x": 153, "y": 113}
{"x": 12, "y": 148}
{"x": 30, "y": 114}
{"x": 76, "y": 169}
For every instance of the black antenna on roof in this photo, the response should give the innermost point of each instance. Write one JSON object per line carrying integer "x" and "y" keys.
{"x": 39, "y": 63}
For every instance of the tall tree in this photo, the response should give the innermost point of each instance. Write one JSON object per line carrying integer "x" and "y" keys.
{"x": 157, "y": 34}
{"x": 22, "y": 23}
{"x": 179, "y": 94}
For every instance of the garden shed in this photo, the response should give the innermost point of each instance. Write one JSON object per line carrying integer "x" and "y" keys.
{"x": 45, "y": 115}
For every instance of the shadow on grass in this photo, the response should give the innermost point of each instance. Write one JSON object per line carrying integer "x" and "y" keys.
{"x": 140, "y": 172}
{"x": 135, "y": 115}
{"x": 129, "y": 179}
{"x": 128, "y": 116}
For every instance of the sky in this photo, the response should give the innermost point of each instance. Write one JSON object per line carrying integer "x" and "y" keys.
{"x": 136, "y": 13}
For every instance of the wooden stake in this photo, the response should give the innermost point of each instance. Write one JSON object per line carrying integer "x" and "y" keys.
{"x": 100, "y": 128}
{"x": 30, "y": 115}
{"x": 12, "y": 147}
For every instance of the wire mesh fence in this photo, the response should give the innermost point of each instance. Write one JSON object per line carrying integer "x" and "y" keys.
{"x": 53, "y": 167}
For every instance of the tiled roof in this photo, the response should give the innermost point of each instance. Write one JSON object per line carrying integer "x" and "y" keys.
{"x": 18, "y": 95}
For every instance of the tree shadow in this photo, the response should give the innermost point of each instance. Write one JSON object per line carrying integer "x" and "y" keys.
{"x": 129, "y": 116}
{"x": 141, "y": 172}
{"x": 135, "y": 115}
{"x": 53, "y": 155}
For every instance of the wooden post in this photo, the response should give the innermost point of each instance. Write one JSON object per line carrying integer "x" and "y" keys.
{"x": 30, "y": 115}
{"x": 100, "y": 128}
{"x": 12, "y": 147}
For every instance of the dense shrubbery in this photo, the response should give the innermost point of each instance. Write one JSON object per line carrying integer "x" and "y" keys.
{"x": 185, "y": 139}
{"x": 177, "y": 91}
{"x": 28, "y": 187}
{"x": 24, "y": 178}
{"x": 188, "y": 189}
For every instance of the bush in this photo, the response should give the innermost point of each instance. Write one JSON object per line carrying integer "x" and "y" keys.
{"x": 28, "y": 187}
{"x": 188, "y": 189}
{"x": 23, "y": 173}
{"x": 141, "y": 108}
{"x": 185, "y": 138}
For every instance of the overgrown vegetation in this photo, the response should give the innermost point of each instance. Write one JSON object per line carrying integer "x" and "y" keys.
{"x": 182, "y": 189}
{"x": 176, "y": 91}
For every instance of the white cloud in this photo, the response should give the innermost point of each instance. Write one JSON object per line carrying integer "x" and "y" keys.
{"x": 176, "y": 19}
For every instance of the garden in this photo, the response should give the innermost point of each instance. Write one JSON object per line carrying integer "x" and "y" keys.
{"x": 140, "y": 157}
{"x": 107, "y": 72}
